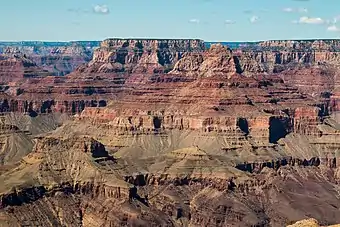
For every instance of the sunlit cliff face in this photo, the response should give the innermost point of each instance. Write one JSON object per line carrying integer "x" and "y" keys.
{"x": 171, "y": 135}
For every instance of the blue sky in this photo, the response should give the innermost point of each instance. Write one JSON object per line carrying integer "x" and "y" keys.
{"x": 211, "y": 20}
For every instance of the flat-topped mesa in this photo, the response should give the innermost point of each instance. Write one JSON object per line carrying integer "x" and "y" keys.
{"x": 140, "y": 55}
{"x": 150, "y": 44}
{"x": 276, "y": 61}
{"x": 317, "y": 45}
{"x": 278, "y": 55}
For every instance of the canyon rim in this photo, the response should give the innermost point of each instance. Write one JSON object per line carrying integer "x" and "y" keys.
{"x": 169, "y": 113}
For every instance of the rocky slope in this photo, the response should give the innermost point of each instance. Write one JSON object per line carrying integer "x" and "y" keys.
{"x": 309, "y": 223}
{"x": 16, "y": 68}
{"x": 202, "y": 145}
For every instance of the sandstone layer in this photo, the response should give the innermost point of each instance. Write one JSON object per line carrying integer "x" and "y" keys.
{"x": 309, "y": 223}
{"x": 204, "y": 144}
{"x": 311, "y": 65}
{"x": 140, "y": 55}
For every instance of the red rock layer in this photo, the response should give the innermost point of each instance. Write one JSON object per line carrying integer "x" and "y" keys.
{"x": 218, "y": 101}
{"x": 203, "y": 92}
{"x": 57, "y": 60}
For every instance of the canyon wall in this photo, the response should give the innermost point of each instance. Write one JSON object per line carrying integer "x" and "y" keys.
{"x": 59, "y": 58}
{"x": 141, "y": 55}
{"x": 311, "y": 65}
{"x": 165, "y": 133}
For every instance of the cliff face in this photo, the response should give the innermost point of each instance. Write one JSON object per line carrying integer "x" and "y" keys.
{"x": 328, "y": 45}
{"x": 140, "y": 55}
{"x": 313, "y": 65}
{"x": 217, "y": 60}
{"x": 205, "y": 144}
{"x": 277, "y": 56}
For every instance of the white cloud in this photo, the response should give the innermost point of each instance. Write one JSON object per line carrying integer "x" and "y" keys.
{"x": 101, "y": 9}
{"x": 311, "y": 20}
{"x": 288, "y": 10}
{"x": 229, "y": 22}
{"x": 333, "y": 28}
{"x": 194, "y": 21}
{"x": 291, "y": 10}
{"x": 254, "y": 19}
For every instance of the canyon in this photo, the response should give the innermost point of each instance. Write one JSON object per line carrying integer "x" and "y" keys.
{"x": 166, "y": 132}
{"x": 58, "y": 58}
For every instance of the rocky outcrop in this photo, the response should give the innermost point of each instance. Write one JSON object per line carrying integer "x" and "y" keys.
{"x": 169, "y": 198}
{"x": 33, "y": 108}
{"x": 17, "y": 68}
{"x": 278, "y": 61}
{"x": 216, "y": 61}
{"x": 328, "y": 45}
{"x": 310, "y": 65}
{"x": 139, "y": 55}
{"x": 287, "y": 161}
{"x": 309, "y": 223}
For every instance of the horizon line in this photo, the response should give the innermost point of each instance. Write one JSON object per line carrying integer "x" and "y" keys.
{"x": 144, "y": 38}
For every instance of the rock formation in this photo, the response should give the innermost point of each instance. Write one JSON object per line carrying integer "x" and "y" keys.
{"x": 217, "y": 60}
{"x": 313, "y": 66}
{"x": 309, "y": 223}
{"x": 57, "y": 58}
{"x": 164, "y": 133}
{"x": 140, "y": 55}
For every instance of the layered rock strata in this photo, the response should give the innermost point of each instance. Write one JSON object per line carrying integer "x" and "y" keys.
{"x": 311, "y": 65}
{"x": 57, "y": 58}
{"x": 202, "y": 145}
{"x": 140, "y": 55}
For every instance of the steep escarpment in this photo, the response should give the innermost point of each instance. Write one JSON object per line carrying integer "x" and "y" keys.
{"x": 277, "y": 56}
{"x": 205, "y": 144}
{"x": 139, "y": 55}
{"x": 310, "y": 65}
{"x": 217, "y": 60}
{"x": 331, "y": 44}
{"x": 212, "y": 97}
